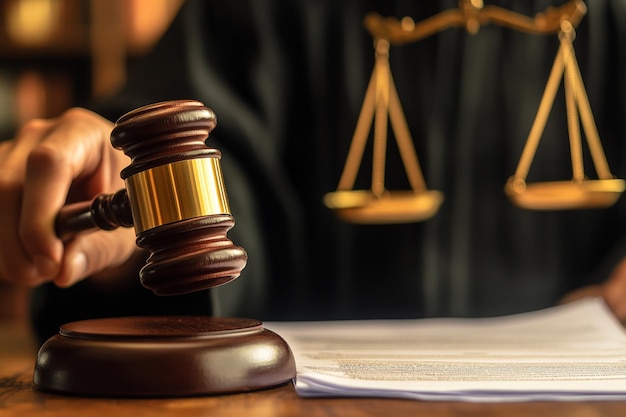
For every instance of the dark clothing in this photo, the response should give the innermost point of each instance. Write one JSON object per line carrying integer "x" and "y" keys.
{"x": 287, "y": 79}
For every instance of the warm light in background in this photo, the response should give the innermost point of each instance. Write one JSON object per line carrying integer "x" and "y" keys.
{"x": 32, "y": 22}
{"x": 47, "y": 45}
{"x": 146, "y": 20}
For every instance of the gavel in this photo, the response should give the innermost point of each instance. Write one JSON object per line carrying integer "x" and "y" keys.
{"x": 174, "y": 196}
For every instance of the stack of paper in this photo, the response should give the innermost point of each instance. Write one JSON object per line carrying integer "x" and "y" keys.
{"x": 571, "y": 352}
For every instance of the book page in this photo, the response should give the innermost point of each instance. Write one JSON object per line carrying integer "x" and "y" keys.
{"x": 571, "y": 352}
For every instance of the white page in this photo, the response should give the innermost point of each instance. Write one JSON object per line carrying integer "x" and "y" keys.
{"x": 571, "y": 352}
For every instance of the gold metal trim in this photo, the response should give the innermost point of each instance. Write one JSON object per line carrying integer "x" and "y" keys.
{"x": 177, "y": 191}
{"x": 472, "y": 15}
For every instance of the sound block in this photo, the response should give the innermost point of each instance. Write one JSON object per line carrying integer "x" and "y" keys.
{"x": 162, "y": 356}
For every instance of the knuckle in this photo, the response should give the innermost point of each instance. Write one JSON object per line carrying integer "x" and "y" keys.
{"x": 45, "y": 155}
{"x": 74, "y": 114}
{"x": 79, "y": 116}
{"x": 46, "y": 161}
{"x": 33, "y": 126}
{"x": 8, "y": 183}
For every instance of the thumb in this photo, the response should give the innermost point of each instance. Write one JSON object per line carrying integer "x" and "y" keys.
{"x": 94, "y": 252}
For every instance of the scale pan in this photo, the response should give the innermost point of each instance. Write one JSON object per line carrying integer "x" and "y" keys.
{"x": 564, "y": 195}
{"x": 362, "y": 206}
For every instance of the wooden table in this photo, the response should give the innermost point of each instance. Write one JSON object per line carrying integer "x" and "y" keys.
{"x": 19, "y": 398}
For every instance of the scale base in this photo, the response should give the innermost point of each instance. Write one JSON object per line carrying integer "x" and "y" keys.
{"x": 162, "y": 356}
{"x": 362, "y": 206}
{"x": 565, "y": 195}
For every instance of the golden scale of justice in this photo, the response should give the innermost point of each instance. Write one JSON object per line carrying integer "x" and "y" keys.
{"x": 382, "y": 104}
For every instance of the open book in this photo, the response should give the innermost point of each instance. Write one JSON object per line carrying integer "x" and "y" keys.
{"x": 571, "y": 352}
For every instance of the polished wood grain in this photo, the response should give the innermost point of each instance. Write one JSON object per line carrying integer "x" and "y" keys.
{"x": 18, "y": 398}
{"x": 159, "y": 356}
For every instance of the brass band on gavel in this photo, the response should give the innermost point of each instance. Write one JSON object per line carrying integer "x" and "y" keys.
{"x": 177, "y": 191}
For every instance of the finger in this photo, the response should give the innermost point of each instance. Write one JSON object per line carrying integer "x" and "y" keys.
{"x": 15, "y": 263}
{"x": 614, "y": 291}
{"x": 72, "y": 149}
{"x": 13, "y": 153}
{"x": 588, "y": 291}
{"x": 94, "y": 252}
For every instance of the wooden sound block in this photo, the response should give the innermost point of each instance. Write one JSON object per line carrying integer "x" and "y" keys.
{"x": 162, "y": 356}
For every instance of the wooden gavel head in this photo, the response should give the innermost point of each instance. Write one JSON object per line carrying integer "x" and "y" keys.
{"x": 174, "y": 197}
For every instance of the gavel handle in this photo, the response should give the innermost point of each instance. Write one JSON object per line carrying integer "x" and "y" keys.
{"x": 106, "y": 212}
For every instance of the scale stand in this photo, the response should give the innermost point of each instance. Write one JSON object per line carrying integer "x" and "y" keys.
{"x": 381, "y": 102}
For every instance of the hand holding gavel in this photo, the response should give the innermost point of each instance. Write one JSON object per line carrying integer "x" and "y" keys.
{"x": 172, "y": 193}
